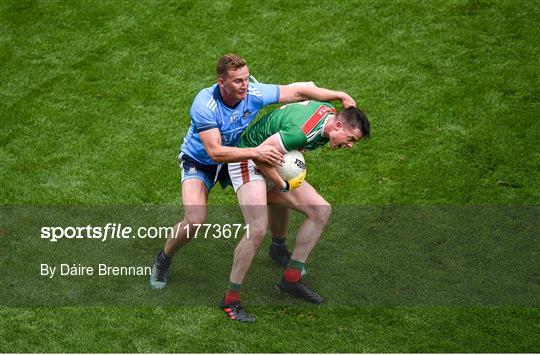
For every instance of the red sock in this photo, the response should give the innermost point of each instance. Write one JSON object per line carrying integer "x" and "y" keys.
{"x": 292, "y": 274}
{"x": 232, "y": 296}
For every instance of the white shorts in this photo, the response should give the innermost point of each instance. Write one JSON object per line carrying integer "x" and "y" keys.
{"x": 246, "y": 171}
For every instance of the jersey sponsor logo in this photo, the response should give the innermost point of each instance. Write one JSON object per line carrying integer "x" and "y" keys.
{"x": 316, "y": 118}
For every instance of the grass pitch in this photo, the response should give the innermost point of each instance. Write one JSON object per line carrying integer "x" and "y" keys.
{"x": 95, "y": 98}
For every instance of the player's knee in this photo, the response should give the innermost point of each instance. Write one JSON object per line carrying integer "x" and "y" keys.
{"x": 195, "y": 218}
{"x": 321, "y": 213}
{"x": 256, "y": 235}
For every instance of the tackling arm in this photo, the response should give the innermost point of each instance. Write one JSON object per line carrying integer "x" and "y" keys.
{"x": 212, "y": 143}
{"x": 295, "y": 93}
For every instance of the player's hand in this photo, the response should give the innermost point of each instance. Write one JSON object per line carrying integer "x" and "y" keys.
{"x": 294, "y": 183}
{"x": 347, "y": 100}
{"x": 268, "y": 154}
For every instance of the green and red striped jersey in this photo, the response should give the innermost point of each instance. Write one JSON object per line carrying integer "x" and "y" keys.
{"x": 300, "y": 126}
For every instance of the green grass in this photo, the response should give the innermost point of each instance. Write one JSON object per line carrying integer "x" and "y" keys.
{"x": 300, "y": 329}
{"x": 95, "y": 98}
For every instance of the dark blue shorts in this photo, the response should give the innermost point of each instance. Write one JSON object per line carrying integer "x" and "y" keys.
{"x": 209, "y": 174}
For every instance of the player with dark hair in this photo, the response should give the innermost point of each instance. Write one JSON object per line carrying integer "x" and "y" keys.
{"x": 301, "y": 126}
{"x": 219, "y": 114}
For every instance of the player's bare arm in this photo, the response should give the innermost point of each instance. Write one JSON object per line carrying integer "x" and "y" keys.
{"x": 271, "y": 173}
{"x": 295, "y": 93}
{"x": 269, "y": 170}
{"x": 211, "y": 139}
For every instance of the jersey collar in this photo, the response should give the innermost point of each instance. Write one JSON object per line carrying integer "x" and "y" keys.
{"x": 217, "y": 96}
{"x": 324, "y": 123}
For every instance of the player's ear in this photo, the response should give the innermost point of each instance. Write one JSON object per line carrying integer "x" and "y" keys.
{"x": 339, "y": 124}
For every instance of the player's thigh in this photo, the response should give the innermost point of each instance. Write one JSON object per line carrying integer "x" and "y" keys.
{"x": 278, "y": 213}
{"x": 252, "y": 200}
{"x": 304, "y": 199}
{"x": 194, "y": 198}
{"x": 278, "y": 220}
{"x": 304, "y": 195}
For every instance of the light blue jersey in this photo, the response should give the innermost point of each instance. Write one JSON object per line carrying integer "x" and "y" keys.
{"x": 208, "y": 111}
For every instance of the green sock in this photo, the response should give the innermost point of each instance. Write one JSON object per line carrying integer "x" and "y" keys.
{"x": 234, "y": 287}
{"x": 296, "y": 264}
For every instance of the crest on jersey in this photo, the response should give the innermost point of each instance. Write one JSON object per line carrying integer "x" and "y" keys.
{"x": 246, "y": 114}
{"x": 192, "y": 170}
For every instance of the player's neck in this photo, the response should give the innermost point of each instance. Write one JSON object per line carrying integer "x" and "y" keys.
{"x": 230, "y": 102}
{"x": 326, "y": 125}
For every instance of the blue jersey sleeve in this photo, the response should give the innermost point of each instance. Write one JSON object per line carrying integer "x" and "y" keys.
{"x": 202, "y": 118}
{"x": 264, "y": 94}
